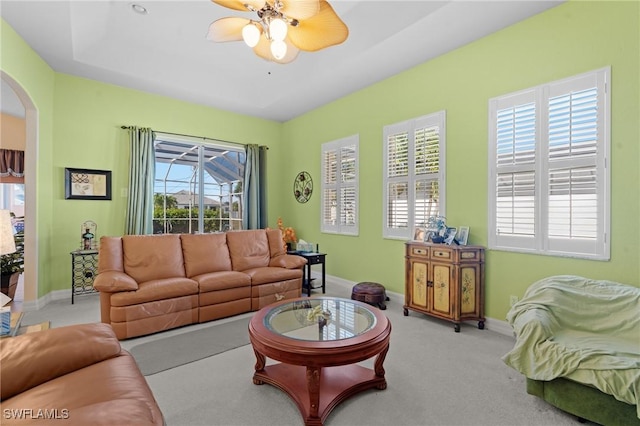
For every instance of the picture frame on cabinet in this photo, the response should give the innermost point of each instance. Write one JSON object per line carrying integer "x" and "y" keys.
{"x": 418, "y": 234}
{"x": 463, "y": 235}
{"x": 427, "y": 236}
{"x": 450, "y": 235}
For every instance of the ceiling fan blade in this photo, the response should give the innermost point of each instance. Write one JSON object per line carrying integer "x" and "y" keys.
{"x": 322, "y": 30}
{"x": 227, "y": 29}
{"x": 263, "y": 49}
{"x": 300, "y": 9}
{"x": 241, "y": 4}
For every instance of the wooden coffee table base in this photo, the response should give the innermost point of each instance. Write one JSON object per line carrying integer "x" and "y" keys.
{"x": 320, "y": 374}
{"x": 318, "y": 390}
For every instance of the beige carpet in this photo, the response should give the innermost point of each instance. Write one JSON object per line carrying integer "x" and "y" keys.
{"x": 176, "y": 350}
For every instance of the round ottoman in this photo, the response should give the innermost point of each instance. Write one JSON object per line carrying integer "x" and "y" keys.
{"x": 372, "y": 293}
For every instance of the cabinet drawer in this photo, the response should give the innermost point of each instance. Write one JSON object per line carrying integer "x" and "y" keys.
{"x": 441, "y": 253}
{"x": 470, "y": 255}
{"x": 419, "y": 251}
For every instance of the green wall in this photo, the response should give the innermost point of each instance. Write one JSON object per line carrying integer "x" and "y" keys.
{"x": 88, "y": 134}
{"x": 24, "y": 66}
{"x": 570, "y": 39}
{"x": 79, "y": 126}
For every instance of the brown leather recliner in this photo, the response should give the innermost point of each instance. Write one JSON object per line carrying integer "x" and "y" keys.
{"x": 74, "y": 375}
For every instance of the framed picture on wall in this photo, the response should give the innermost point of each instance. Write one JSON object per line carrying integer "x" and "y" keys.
{"x": 87, "y": 184}
{"x": 463, "y": 235}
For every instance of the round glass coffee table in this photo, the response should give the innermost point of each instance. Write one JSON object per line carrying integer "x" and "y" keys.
{"x": 318, "y": 342}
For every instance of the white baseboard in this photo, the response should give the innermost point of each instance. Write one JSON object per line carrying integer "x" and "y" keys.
{"x": 493, "y": 324}
{"x": 34, "y": 305}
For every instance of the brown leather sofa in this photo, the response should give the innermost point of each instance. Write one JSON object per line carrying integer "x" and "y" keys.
{"x": 151, "y": 283}
{"x": 74, "y": 375}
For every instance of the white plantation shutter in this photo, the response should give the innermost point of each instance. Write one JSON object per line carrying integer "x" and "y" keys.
{"x": 340, "y": 186}
{"x": 414, "y": 174}
{"x": 514, "y": 160}
{"x": 397, "y": 170}
{"x": 548, "y": 150}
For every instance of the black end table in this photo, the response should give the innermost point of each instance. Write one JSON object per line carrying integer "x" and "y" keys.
{"x": 312, "y": 259}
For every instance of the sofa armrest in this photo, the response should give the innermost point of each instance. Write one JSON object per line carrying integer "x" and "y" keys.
{"x": 114, "y": 281}
{"x": 288, "y": 261}
{"x": 35, "y": 358}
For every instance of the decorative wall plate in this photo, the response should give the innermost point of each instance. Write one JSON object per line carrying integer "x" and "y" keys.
{"x": 302, "y": 187}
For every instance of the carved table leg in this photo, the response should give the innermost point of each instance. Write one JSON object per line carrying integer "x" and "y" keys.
{"x": 313, "y": 385}
{"x": 379, "y": 369}
{"x": 260, "y": 363}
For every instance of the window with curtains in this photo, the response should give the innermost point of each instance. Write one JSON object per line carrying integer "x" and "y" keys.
{"x": 340, "y": 186}
{"x": 198, "y": 185}
{"x": 414, "y": 172}
{"x": 549, "y": 175}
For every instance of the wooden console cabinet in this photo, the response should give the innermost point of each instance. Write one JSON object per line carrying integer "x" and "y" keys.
{"x": 445, "y": 281}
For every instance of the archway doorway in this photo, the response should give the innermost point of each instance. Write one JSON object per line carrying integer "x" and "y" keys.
{"x": 30, "y": 283}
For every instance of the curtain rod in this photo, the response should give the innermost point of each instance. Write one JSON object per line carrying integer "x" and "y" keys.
{"x": 197, "y": 137}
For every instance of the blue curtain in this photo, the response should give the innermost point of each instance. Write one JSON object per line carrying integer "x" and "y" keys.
{"x": 142, "y": 165}
{"x": 254, "y": 214}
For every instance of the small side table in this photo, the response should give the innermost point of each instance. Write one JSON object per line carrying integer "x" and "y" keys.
{"x": 312, "y": 259}
{"x": 84, "y": 268}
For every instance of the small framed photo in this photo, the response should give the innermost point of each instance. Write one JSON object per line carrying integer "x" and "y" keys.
{"x": 87, "y": 184}
{"x": 463, "y": 235}
{"x": 418, "y": 234}
{"x": 449, "y": 235}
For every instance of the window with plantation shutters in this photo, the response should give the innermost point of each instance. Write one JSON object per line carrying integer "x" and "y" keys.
{"x": 549, "y": 180}
{"x": 414, "y": 174}
{"x": 339, "y": 213}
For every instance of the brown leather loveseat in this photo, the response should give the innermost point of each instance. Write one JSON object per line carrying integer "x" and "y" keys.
{"x": 151, "y": 283}
{"x": 74, "y": 375}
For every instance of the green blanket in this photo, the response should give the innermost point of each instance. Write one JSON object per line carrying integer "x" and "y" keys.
{"x": 581, "y": 329}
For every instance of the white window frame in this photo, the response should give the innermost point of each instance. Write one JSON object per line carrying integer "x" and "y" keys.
{"x": 410, "y": 127}
{"x": 539, "y": 239}
{"x": 223, "y": 192}
{"x": 332, "y": 220}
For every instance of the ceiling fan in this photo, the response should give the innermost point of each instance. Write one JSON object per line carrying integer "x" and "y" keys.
{"x": 283, "y": 27}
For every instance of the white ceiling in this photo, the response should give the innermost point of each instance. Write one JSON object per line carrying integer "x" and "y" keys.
{"x": 166, "y": 52}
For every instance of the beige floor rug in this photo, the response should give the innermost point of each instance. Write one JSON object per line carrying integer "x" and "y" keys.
{"x": 176, "y": 350}
{"x": 35, "y": 327}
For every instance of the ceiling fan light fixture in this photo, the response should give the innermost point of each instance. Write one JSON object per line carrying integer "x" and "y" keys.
{"x": 251, "y": 34}
{"x": 278, "y": 49}
{"x": 277, "y": 29}
{"x": 283, "y": 28}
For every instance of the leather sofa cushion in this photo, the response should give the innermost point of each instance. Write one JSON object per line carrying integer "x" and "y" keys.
{"x": 35, "y": 358}
{"x": 150, "y": 291}
{"x": 248, "y": 249}
{"x": 205, "y": 253}
{"x": 272, "y": 275}
{"x": 276, "y": 243}
{"x": 111, "y": 392}
{"x": 153, "y": 257}
{"x": 222, "y": 280}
